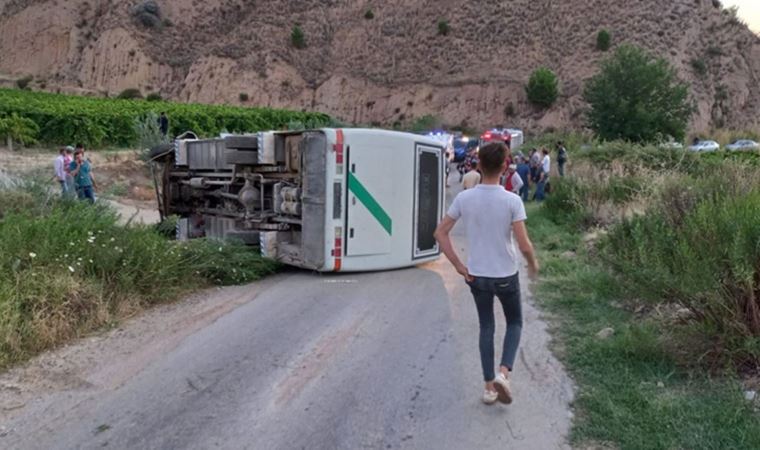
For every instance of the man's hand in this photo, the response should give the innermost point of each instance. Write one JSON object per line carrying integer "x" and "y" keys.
{"x": 462, "y": 270}
{"x": 533, "y": 269}
{"x": 444, "y": 240}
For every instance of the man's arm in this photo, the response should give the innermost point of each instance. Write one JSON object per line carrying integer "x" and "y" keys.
{"x": 526, "y": 247}
{"x": 444, "y": 240}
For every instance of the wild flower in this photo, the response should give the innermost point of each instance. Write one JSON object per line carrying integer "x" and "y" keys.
{"x": 71, "y": 269}
{"x": 32, "y": 255}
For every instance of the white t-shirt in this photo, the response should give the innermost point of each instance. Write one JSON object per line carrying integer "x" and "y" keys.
{"x": 488, "y": 212}
{"x": 546, "y": 164}
{"x": 470, "y": 179}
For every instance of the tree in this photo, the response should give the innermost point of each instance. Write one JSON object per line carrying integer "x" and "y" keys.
{"x": 297, "y": 38}
{"x": 637, "y": 97}
{"x": 603, "y": 40}
{"x": 542, "y": 88}
{"x": 19, "y": 129}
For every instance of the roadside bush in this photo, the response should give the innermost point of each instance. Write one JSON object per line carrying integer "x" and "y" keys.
{"x": 704, "y": 258}
{"x": 148, "y": 133}
{"x": 542, "y": 88}
{"x": 69, "y": 268}
{"x": 603, "y": 40}
{"x": 297, "y": 38}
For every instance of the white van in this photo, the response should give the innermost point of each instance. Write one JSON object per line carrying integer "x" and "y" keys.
{"x": 326, "y": 200}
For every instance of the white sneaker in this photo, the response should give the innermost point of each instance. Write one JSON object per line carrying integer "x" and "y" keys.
{"x": 490, "y": 397}
{"x": 502, "y": 386}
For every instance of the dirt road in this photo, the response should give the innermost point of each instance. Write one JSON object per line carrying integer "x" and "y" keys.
{"x": 301, "y": 360}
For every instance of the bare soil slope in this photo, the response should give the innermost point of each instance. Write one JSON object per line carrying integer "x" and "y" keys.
{"x": 390, "y": 68}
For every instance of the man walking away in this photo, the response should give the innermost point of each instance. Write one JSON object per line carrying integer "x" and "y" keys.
{"x": 561, "y": 158}
{"x": 163, "y": 124}
{"x": 471, "y": 178}
{"x": 491, "y": 215}
{"x": 81, "y": 171}
{"x": 523, "y": 169}
{"x": 545, "y": 169}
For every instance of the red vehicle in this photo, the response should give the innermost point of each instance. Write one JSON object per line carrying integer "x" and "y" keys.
{"x": 496, "y": 134}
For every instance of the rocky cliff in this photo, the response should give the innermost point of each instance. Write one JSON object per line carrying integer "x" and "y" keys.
{"x": 392, "y": 65}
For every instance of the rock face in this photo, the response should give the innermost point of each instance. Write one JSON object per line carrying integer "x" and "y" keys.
{"x": 391, "y": 68}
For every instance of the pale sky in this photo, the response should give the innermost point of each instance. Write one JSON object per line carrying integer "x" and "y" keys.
{"x": 749, "y": 11}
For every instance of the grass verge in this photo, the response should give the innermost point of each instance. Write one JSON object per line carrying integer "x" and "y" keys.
{"x": 69, "y": 268}
{"x": 632, "y": 391}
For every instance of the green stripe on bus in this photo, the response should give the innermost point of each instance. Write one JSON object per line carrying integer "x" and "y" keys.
{"x": 377, "y": 211}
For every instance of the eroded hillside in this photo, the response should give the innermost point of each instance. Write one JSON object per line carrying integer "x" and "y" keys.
{"x": 390, "y": 68}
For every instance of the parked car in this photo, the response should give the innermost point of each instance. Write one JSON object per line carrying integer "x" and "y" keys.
{"x": 672, "y": 145}
{"x": 705, "y": 146}
{"x": 743, "y": 145}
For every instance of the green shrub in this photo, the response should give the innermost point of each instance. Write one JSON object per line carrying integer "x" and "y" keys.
{"x": 130, "y": 94}
{"x": 243, "y": 97}
{"x": 603, "y": 40}
{"x": 99, "y": 121}
{"x": 637, "y": 97}
{"x": 369, "y": 15}
{"x": 68, "y": 268}
{"x": 297, "y": 37}
{"x": 148, "y": 133}
{"x": 154, "y": 97}
{"x": 542, "y": 88}
{"x": 23, "y": 83}
{"x": 699, "y": 66}
{"x": 699, "y": 249}
{"x": 15, "y": 128}
{"x": 443, "y": 28}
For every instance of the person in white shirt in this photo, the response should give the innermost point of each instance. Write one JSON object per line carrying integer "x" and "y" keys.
{"x": 60, "y": 165}
{"x": 471, "y": 178}
{"x": 491, "y": 216}
{"x": 543, "y": 177}
{"x": 514, "y": 181}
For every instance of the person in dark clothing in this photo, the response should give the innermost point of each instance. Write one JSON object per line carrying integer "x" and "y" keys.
{"x": 561, "y": 158}
{"x": 523, "y": 169}
{"x": 163, "y": 124}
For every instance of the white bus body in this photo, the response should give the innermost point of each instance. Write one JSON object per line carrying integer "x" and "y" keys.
{"x": 327, "y": 200}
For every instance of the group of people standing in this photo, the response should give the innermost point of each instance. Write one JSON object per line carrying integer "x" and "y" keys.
{"x": 522, "y": 172}
{"x": 74, "y": 173}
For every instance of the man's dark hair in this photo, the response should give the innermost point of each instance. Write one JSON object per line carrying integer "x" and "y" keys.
{"x": 79, "y": 146}
{"x": 163, "y": 113}
{"x": 545, "y": 151}
{"x": 492, "y": 157}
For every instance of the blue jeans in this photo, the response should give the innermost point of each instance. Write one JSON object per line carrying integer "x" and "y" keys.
{"x": 540, "y": 194}
{"x": 86, "y": 193}
{"x": 64, "y": 188}
{"x": 561, "y": 168}
{"x": 525, "y": 192}
{"x": 507, "y": 290}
